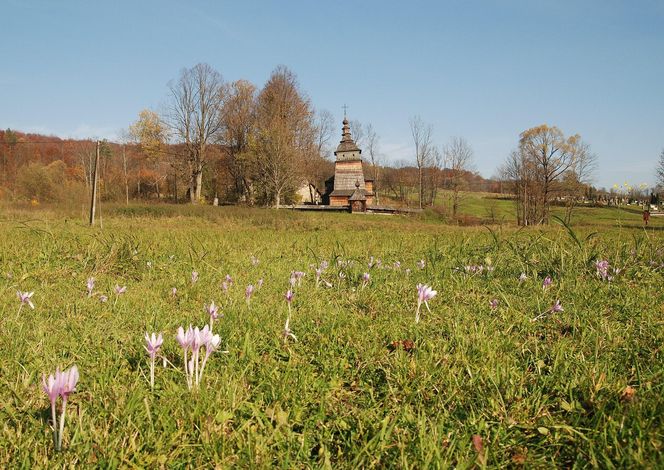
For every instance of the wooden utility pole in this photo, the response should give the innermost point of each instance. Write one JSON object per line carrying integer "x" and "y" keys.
{"x": 93, "y": 203}
{"x": 124, "y": 162}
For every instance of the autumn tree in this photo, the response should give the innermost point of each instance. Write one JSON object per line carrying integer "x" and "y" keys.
{"x": 150, "y": 134}
{"x": 195, "y": 118}
{"x": 537, "y": 168}
{"x": 421, "y": 133}
{"x": 458, "y": 156}
{"x": 283, "y": 136}
{"x": 238, "y": 119}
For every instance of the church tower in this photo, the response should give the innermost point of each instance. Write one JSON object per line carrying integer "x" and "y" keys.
{"x": 348, "y": 174}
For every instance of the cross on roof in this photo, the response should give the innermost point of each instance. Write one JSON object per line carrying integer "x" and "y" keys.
{"x": 345, "y": 108}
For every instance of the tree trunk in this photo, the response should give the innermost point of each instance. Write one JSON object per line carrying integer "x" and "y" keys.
{"x": 421, "y": 188}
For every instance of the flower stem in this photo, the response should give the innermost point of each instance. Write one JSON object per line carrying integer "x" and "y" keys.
{"x": 62, "y": 424}
{"x": 54, "y": 417}
{"x": 186, "y": 370}
{"x": 152, "y": 373}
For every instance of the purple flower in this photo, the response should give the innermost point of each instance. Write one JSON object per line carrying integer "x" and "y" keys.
{"x": 366, "y": 278}
{"x": 523, "y": 277}
{"x": 153, "y": 343}
{"x": 69, "y": 381}
{"x": 213, "y": 311}
{"x": 184, "y": 338}
{"x": 248, "y": 292}
{"x": 602, "y": 268}
{"x": 229, "y": 279}
{"x": 52, "y": 386}
{"x": 289, "y": 297}
{"x": 174, "y": 291}
{"x": 397, "y": 265}
{"x": 61, "y": 384}
{"x": 224, "y": 286}
{"x": 260, "y": 283}
{"x": 90, "y": 285}
{"x": 557, "y": 307}
{"x": 424, "y": 294}
{"x": 421, "y": 264}
{"x": 547, "y": 282}
{"x": 103, "y": 298}
{"x": 120, "y": 290}
{"x": 494, "y": 304}
{"x": 194, "y": 277}
{"x": 24, "y": 298}
{"x": 296, "y": 277}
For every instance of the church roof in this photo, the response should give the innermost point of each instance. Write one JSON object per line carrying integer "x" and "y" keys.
{"x": 347, "y": 143}
{"x": 358, "y": 195}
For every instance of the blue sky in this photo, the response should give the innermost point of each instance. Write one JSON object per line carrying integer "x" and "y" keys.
{"x": 484, "y": 70}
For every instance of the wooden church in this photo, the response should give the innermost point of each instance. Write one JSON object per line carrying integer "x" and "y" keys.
{"x": 348, "y": 187}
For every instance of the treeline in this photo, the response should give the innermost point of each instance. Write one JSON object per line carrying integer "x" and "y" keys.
{"x": 214, "y": 139}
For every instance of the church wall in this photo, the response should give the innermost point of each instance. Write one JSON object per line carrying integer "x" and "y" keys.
{"x": 338, "y": 200}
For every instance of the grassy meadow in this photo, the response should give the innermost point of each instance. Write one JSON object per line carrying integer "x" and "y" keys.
{"x": 364, "y": 386}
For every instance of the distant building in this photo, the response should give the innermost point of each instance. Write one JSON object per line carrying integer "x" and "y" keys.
{"x": 309, "y": 194}
{"x": 348, "y": 187}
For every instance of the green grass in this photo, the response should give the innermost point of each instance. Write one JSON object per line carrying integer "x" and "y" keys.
{"x": 540, "y": 394}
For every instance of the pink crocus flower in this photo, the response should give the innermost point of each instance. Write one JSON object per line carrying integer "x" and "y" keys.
{"x": 51, "y": 387}
{"x": 25, "y": 298}
{"x": 120, "y": 290}
{"x": 248, "y": 292}
{"x": 287, "y": 331}
{"x": 185, "y": 339}
{"x": 61, "y": 384}
{"x": 213, "y": 311}
{"x": 523, "y": 277}
{"x": 103, "y": 298}
{"x": 152, "y": 344}
{"x": 90, "y": 285}
{"x": 421, "y": 264}
{"x": 547, "y": 282}
{"x": 556, "y": 307}
{"x": 174, "y": 291}
{"x": 493, "y": 303}
{"x": 424, "y": 294}
{"x": 224, "y": 287}
{"x": 366, "y": 278}
{"x": 229, "y": 279}
{"x": 194, "y": 277}
{"x": 260, "y": 283}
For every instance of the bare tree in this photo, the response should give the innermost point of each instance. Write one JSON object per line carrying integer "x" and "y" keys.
{"x": 359, "y": 135}
{"x": 578, "y": 178}
{"x": 436, "y": 173}
{"x": 421, "y": 133}
{"x": 660, "y": 169}
{"x": 537, "y": 169}
{"x": 458, "y": 161}
{"x": 374, "y": 155}
{"x": 195, "y": 118}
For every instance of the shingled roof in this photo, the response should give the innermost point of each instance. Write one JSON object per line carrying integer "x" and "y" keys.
{"x": 347, "y": 144}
